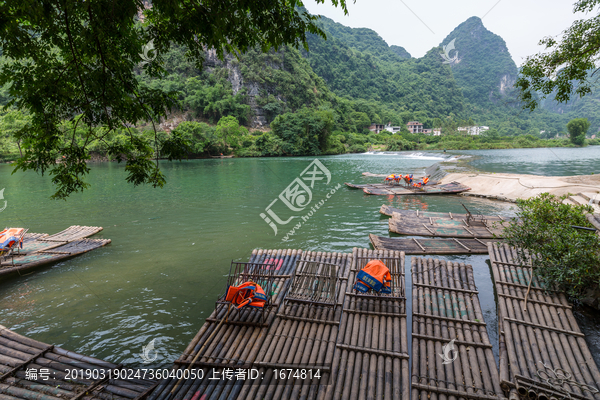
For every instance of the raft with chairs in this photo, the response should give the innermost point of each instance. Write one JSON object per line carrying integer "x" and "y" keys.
{"x": 446, "y": 228}
{"x": 38, "y": 249}
{"x": 32, "y": 370}
{"x": 413, "y": 214}
{"x": 421, "y": 246}
{"x": 383, "y": 189}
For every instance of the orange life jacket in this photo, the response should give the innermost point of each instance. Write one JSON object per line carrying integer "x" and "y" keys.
{"x": 248, "y": 293}
{"x": 10, "y": 236}
{"x": 376, "y": 276}
{"x": 425, "y": 180}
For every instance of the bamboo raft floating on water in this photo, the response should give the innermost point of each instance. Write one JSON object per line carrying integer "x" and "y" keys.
{"x": 397, "y": 190}
{"x": 19, "y": 354}
{"x": 543, "y": 354}
{"x": 446, "y": 228}
{"x": 448, "y": 321}
{"x": 420, "y": 246}
{"x": 40, "y": 249}
{"x": 353, "y": 361}
{"x": 389, "y": 211}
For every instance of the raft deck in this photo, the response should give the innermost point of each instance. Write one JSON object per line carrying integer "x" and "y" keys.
{"x": 447, "y": 321}
{"x": 40, "y": 249}
{"x": 446, "y": 228}
{"x": 399, "y": 190}
{"x": 352, "y": 360}
{"x": 540, "y": 338}
{"x": 19, "y": 354}
{"x": 413, "y": 214}
{"x": 420, "y": 246}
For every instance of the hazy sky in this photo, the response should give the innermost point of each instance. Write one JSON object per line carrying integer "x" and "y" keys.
{"x": 520, "y": 23}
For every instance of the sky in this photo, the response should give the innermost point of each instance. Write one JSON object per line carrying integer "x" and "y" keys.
{"x": 420, "y": 25}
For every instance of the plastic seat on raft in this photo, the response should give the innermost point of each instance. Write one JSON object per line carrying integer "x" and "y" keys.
{"x": 388, "y": 180}
{"x": 316, "y": 284}
{"x": 408, "y": 179}
{"x": 248, "y": 293}
{"x": 11, "y": 240}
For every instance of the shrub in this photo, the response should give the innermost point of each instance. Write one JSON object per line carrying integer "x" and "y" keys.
{"x": 565, "y": 258}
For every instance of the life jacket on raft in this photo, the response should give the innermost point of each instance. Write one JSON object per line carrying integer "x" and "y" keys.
{"x": 9, "y": 237}
{"x": 390, "y": 177}
{"x": 408, "y": 179}
{"x": 397, "y": 178}
{"x": 247, "y": 294}
{"x": 425, "y": 180}
{"x": 374, "y": 276}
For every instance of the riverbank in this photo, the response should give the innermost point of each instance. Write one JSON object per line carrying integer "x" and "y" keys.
{"x": 510, "y": 187}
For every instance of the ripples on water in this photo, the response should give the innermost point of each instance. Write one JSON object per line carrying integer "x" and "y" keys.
{"x": 171, "y": 248}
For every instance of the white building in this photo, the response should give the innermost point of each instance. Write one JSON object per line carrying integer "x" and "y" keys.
{"x": 473, "y": 130}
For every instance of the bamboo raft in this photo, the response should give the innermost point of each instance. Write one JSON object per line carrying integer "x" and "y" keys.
{"x": 311, "y": 334}
{"x": 414, "y": 214}
{"x": 40, "y": 249}
{"x": 543, "y": 353}
{"x": 446, "y": 310}
{"x": 446, "y": 228}
{"x": 430, "y": 246}
{"x": 19, "y": 354}
{"x": 397, "y": 190}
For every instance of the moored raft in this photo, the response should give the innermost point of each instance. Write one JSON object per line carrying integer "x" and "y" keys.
{"x": 451, "y": 350}
{"x": 446, "y": 228}
{"x": 389, "y": 211}
{"x": 40, "y": 249}
{"x": 54, "y": 378}
{"x": 543, "y": 353}
{"x": 397, "y": 190}
{"x": 420, "y": 246}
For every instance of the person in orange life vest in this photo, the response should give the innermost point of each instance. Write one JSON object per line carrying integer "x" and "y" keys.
{"x": 248, "y": 293}
{"x": 376, "y": 276}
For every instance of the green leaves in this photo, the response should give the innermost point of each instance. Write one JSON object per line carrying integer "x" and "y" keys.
{"x": 75, "y": 61}
{"x": 564, "y": 70}
{"x": 567, "y": 259}
{"x": 577, "y": 129}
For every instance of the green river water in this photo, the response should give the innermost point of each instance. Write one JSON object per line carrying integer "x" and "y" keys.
{"x": 171, "y": 248}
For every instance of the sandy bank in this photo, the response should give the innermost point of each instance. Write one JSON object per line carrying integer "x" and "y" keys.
{"x": 510, "y": 187}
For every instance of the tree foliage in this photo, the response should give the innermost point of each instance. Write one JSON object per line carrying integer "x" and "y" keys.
{"x": 577, "y": 129}
{"x": 564, "y": 258}
{"x": 68, "y": 60}
{"x": 564, "y": 69}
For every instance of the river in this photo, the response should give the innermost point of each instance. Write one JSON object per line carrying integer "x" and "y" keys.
{"x": 171, "y": 247}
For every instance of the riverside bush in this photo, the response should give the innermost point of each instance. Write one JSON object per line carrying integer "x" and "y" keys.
{"x": 564, "y": 258}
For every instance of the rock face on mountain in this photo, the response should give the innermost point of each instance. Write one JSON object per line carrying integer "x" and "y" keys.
{"x": 480, "y": 62}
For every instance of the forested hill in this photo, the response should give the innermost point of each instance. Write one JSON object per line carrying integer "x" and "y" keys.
{"x": 483, "y": 69}
{"x": 359, "y": 64}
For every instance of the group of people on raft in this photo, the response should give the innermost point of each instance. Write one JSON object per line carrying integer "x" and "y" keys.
{"x": 408, "y": 180}
{"x": 375, "y": 276}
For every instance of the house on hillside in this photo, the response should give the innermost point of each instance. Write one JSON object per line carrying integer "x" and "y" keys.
{"x": 414, "y": 127}
{"x": 376, "y": 128}
{"x": 393, "y": 129}
{"x": 437, "y": 131}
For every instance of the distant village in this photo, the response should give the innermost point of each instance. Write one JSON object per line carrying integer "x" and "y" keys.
{"x": 417, "y": 127}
